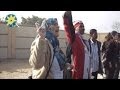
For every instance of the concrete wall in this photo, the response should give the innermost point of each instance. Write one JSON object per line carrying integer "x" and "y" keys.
{"x": 24, "y": 38}
{"x": 101, "y": 36}
{"x": 3, "y": 41}
{"x": 16, "y": 42}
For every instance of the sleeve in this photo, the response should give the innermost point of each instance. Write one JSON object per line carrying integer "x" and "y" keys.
{"x": 100, "y": 47}
{"x": 103, "y": 47}
{"x": 37, "y": 56}
{"x": 100, "y": 61}
{"x": 68, "y": 26}
{"x": 68, "y": 54}
{"x": 109, "y": 51}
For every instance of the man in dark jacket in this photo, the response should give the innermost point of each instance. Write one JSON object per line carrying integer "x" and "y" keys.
{"x": 117, "y": 64}
{"x": 95, "y": 54}
{"x": 111, "y": 56}
{"x": 104, "y": 48}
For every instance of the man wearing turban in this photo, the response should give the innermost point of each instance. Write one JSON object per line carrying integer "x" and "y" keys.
{"x": 79, "y": 47}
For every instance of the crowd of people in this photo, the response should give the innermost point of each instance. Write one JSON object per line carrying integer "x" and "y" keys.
{"x": 85, "y": 58}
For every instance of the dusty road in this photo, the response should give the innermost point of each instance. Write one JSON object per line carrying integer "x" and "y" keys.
{"x": 17, "y": 69}
{"x": 14, "y": 69}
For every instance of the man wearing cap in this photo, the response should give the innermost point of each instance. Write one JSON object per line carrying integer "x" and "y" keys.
{"x": 79, "y": 46}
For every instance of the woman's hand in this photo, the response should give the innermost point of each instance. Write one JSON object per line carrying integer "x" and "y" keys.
{"x": 42, "y": 33}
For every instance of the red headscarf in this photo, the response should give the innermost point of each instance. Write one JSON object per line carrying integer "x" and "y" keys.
{"x": 77, "y": 24}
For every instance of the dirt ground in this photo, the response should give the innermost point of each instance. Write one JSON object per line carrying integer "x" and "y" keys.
{"x": 17, "y": 69}
{"x": 14, "y": 69}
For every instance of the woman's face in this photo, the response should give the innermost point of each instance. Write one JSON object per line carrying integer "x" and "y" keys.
{"x": 55, "y": 29}
{"x": 57, "y": 33}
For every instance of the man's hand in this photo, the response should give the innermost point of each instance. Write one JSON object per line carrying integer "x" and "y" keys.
{"x": 37, "y": 25}
{"x": 67, "y": 13}
{"x": 69, "y": 66}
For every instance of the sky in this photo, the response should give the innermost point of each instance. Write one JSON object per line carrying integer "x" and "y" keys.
{"x": 100, "y": 20}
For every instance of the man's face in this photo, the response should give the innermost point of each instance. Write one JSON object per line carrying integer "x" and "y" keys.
{"x": 81, "y": 29}
{"x": 94, "y": 35}
{"x": 116, "y": 36}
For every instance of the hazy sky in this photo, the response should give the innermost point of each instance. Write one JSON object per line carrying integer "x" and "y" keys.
{"x": 100, "y": 20}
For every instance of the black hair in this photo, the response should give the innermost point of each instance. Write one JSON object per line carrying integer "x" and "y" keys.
{"x": 109, "y": 36}
{"x": 92, "y": 31}
{"x": 113, "y": 33}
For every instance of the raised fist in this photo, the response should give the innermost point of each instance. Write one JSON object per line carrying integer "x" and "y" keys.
{"x": 67, "y": 13}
